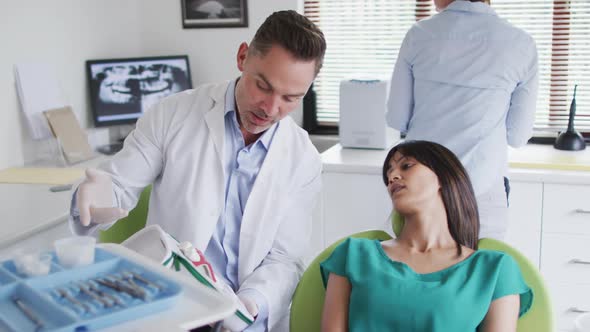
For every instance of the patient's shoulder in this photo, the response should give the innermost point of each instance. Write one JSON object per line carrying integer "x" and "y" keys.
{"x": 360, "y": 241}
{"x": 357, "y": 248}
{"x": 492, "y": 254}
{"x": 495, "y": 260}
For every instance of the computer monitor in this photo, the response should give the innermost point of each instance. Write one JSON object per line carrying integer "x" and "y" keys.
{"x": 121, "y": 90}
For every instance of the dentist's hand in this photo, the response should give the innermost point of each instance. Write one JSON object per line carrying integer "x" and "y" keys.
{"x": 250, "y": 305}
{"x": 95, "y": 199}
{"x": 230, "y": 325}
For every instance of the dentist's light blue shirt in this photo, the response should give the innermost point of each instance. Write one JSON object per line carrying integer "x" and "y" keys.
{"x": 242, "y": 164}
{"x": 467, "y": 79}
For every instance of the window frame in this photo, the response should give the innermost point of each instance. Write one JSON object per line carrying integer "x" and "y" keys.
{"x": 561, "y": 17}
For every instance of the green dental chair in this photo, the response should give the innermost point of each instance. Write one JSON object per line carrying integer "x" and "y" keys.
{"x": 308, "y": 300}
{"x": 127, "y": 226}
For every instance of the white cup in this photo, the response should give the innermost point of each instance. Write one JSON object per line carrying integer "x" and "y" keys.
{"x": 75, "y": 251}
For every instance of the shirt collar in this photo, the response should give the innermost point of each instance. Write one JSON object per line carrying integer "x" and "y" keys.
{"x": 266, "y": 138}
{"x": 230, "y": 98}
{"x": 468, "y": 6}
{"x": 230, "y": 106}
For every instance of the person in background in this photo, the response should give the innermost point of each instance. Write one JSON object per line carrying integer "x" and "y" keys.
{"x": 431, "y": 277}
{"x": 467, "y": 79}
{"x": 231, "y": 173}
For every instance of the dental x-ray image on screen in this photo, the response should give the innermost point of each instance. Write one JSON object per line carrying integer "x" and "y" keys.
{"x": 121, "y": 90}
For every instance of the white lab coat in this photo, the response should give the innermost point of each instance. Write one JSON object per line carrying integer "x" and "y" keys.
{"x": 178, "y": 146}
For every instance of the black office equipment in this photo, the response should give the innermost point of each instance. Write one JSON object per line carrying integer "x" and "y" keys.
{"x": 121, "y": 90}
{"x": 570, "y": 139}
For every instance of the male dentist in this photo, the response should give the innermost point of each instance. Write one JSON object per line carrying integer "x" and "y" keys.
{"x": 231, "y": 173}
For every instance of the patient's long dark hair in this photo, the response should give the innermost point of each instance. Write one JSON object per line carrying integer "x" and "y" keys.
{"x": 456, "y": 189}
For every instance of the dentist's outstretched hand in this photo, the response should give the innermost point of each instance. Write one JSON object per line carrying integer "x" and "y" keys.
{"x": 95, "y": 199}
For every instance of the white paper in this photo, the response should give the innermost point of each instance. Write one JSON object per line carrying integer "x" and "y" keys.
{"x": 38, "y": 91}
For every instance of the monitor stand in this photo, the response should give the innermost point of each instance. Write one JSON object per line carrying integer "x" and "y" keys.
{"x": 117, "y": 135}
{"x": 110, "y": 149}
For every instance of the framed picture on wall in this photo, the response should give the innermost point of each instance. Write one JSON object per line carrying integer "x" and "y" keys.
{"x": 214, "y": 13}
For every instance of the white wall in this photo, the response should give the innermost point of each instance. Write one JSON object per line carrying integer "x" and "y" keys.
{"x": 212, "y": 52}
{"x": 66, "y": 33}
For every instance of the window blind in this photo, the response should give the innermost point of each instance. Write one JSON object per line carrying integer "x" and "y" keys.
{"x": 364, "y": 37}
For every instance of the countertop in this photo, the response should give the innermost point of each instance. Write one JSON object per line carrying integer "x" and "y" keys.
{"x": 534, "y": 162}
{"x": 546, "y": 157}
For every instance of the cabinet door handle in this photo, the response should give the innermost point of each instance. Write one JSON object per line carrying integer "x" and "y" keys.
{"x": 577, "y": 310}
{"x": 584, "y": 211}
{"x": 579, "y": 261}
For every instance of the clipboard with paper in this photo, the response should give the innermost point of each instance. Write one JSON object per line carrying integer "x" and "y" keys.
{"x": 73, "y": 141}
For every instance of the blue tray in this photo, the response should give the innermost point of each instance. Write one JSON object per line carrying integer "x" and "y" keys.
{"x": 57, "y": 313}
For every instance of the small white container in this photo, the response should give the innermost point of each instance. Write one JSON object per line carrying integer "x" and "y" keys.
{"x": 583, "y": 322}
{"x": 75, "y": 251}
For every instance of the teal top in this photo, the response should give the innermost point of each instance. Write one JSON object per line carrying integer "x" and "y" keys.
{"x": 387, "y": 295}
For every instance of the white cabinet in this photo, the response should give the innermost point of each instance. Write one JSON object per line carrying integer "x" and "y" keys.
{"x": 566, "y": 209}
{"x": 33, "y": 216}
{"x": 524, "y": 218}
{"x": 568, "y": 303}
{"x": 565, "y": 253}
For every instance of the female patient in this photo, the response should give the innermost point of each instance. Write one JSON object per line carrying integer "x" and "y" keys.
{"x": 431, "y": 277}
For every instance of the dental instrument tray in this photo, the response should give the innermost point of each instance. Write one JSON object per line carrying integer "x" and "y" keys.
{"x": 112, "y": 290}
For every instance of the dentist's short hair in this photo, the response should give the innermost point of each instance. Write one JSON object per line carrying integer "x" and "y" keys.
{"x": 295, "y": 33}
